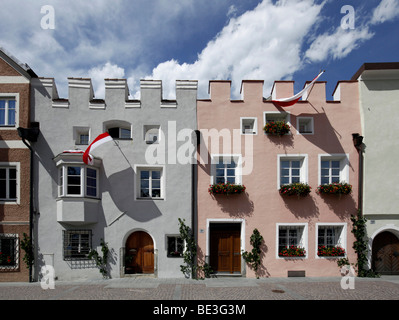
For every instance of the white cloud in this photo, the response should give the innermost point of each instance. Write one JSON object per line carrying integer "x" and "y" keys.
{"x": 260, "y": 44}
{"x": 99, "y": 73}
{"x": 386, "y": 10}
{"x": 338, "y": 44}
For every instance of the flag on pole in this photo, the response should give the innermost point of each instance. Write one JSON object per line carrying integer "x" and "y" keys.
{"x": 287, "y": 102}
{"x": 101, "y": 139}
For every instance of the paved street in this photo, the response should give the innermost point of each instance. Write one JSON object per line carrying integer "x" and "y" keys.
{"x": 145, "y": 288}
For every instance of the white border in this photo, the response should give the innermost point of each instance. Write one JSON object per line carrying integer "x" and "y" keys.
{"x": 342, "y": 239}
{"x": 303, "y": 170}
{"x": 17, "y": 165}
{"x": 304, "y": 239}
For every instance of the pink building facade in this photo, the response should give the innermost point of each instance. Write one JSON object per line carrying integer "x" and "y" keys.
{"x": 318, "y": 149}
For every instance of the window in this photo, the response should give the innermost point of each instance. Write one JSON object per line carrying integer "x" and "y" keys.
{"x": 7, "y": 111}
{"x": 305, "y": 125}
{"x": 175, "y": 246}
{"x": 78, "y": 181}
{"x": 120, "y": 133}
{"x": 151, "y": 134}
{"x": 81, "y": 135}
{"x": 226, "y": 169}
{"x": 8, "y": 184}
{"x": 274, "y": 116}
{"x": 333, "y": 169}
{"x": 291, "y": 235}
{"x": 9, "y": 251}
{"x": 248, "y": 125}
{"x": 331, "y": 235}
{"x": 77, "y": 244}
{"x": 292, "y": 169}
{"x": 150, "y": 183}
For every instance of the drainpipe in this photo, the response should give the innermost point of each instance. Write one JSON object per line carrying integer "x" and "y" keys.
{"x": 358, "y": 143}
{"x": 30, "y": 135}
{"x": 194, "y": 193}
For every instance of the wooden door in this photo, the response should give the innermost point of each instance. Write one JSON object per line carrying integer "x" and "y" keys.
{"x": 225, "y": 251}
{"x": 139, "y": 253}
{"x": 386, "y": 253}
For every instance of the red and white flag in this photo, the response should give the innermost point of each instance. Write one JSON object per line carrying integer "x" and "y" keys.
{"x": 287, "y": 102}
{"x": 101, "y": 139}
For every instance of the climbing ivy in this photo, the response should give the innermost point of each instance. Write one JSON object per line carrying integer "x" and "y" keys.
{"x": 101, "y": 262}
{"x": 360, "y": 245}
{"x": 27, "y": 246}
{"x": 253, "y": 258}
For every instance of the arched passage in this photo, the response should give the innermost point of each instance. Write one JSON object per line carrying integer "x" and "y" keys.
{"x": 385, "y": 253}
{"x": 139, "y": 253}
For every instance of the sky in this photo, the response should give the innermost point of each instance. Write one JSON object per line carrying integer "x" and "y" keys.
{"x": 200, "y": 40}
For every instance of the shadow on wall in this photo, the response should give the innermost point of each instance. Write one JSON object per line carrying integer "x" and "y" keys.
{"x": 236, "y": 205}
{"x": 301, "y": 207}
{"x": 342, "y": 205}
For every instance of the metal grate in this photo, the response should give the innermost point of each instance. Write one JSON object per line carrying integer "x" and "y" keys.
{"x": 9, "y": 252}
{"x": 77, "y": 244}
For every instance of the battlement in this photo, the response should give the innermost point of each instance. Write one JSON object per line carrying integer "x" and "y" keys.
{"x": 252, "y": 90}
{"x": 81, "y": 92}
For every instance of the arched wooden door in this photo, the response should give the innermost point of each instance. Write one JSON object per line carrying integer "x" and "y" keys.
{"x": 386, "y": 253}
{"x": 139, "y": 255}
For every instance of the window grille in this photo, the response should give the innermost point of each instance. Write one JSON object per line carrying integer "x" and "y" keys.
{"x": 175, "y": 246}
{"x": 77, "y": 244}
{"x": 329, "y": 236}
{"x": 9, "y": 252}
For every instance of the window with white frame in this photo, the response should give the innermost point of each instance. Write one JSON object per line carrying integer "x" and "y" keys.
{"x": 78, "y": 181}
{"x": 9, "y": 251}
{"x": 331, "y": 236}
{"x": 118, "y": 129}
{"x": 248, "y": 125}
{"x": 81, "y": 135}
{"x": 175, "y": 246}
{"x": 8, "y": 107}
{"x": 152, "y": 133}
{"x": 305, "y": 125}
{"x": 76, "y": 244}
{"x": 273, "y": 116}
{"x": 226, "y": 169}
{"x": 291, "y": 235}
{"x": 292, "y": 169}
{"x": 333, "y": 169}
{"x": 8, "y": 183}
{"x": 150, "y": 182}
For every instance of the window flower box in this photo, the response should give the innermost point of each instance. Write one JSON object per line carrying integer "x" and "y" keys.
{"x": 299, "y": 189}
{"x": 292, "y": 251}
{"x": 337, "y": 251}
{"x": 335, "y": 188}
{"x": 226, "y": 188}
{"x": 277, "y": 128}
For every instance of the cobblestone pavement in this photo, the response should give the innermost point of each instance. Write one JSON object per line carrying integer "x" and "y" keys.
{"x": 222, "y": 289}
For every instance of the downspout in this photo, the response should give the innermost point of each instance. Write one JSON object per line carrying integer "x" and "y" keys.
{"x": 30, "y": 135}
{"x": 194, "y": 193}
{"x": 358, "y": 143}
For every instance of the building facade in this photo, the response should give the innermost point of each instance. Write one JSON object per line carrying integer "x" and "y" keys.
{"x": 379, "y": 108}
{"x": 317, "y": 150}
{"x": 15, "y": 167}
{"x": 133, "y": 193}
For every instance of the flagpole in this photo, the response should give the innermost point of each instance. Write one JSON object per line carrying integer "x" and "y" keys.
{"x": 117, "y": 144}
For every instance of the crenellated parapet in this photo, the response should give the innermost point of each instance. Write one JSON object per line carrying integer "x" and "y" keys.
{"x": 81, "y": 94}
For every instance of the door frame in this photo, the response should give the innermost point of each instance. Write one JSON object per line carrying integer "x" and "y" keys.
{"x": 390, "y": 228}
{"x": 122, "y": 254}
{"x": 208, "y": 238}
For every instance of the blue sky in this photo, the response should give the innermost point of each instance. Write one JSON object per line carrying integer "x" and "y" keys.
{"x": 199, "y": 40}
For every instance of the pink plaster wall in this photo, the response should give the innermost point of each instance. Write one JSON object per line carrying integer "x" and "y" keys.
{"x": 262, "y": 207}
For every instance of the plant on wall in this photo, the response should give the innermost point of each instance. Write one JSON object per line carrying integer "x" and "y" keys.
{"x": 101, "y": 262}
{"x": 336, "y": 251}
{"x": 300, "y": 189}
{"x": 277, "y": 128}
{"x": 226, "y": 188}
{"x": 27, "y": 246}
{"x": 253, "y": 258}
{"x": 189, "y": 255}
{"x": 292, "y": 251}
{"x": 335, "y": 188}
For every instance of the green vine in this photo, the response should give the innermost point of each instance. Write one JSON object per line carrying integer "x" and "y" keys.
{"x": 101, "y": 262}
{"x": 190, "y": 253}
{"x": 253, "y": 258}
{"x": 360, "y": 245}
{"x": 27, "y": 246}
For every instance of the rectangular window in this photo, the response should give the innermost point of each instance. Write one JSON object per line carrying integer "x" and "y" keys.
{"x": 152, "y": 134}
{"x": 333, "y": 168}
{"x": 84, "y": 139}
{"x": 8, "y": 184}
{"x": 120, "y": 133}
{"x": 8, "y": 251}
{"x": 290, "y": 171}
{"x": 305, "y": 125}
{"x": 74, "y": 180}
{"x": 175, "y": 246}
{"x": 77, "y": 244}
{"x": 329, "y": 236}
{"x": 248, "y": 125}
{"x": 226, "y": 171}
{"x": 91, "y": 182}
{"x": 7, "y": 111}
{"x": 150, "y": 183}
{"x": 292, "y": 235}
